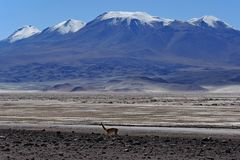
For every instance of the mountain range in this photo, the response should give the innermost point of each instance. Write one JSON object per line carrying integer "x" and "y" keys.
{"x": 121, "y": 51}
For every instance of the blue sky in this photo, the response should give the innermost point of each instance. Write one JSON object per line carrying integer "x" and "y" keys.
{"x": 43, "y": 13}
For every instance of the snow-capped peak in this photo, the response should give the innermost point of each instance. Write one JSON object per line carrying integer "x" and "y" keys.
{"x": 23, "y": 33}
{"x": 210, "y": 21}
{"x": 143, "y": 17}
{"x": 69, "y": 26}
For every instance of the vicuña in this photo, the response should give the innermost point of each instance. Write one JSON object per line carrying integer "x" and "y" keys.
{"x": 110, "y": 131}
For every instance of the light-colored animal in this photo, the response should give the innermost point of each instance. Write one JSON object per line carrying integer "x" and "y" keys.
{"x": 110, "y": 131}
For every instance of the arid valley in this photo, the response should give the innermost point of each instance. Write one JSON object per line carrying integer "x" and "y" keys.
{"x": 165, "y": 109}
{"x": 151, "y": 126}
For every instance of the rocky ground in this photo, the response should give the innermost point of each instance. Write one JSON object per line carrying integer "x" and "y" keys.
{"x": 50, "y": 118}
{"x": 57, "y": 145}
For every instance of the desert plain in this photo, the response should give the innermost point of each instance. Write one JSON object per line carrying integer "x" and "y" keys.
{"x": 51, "y": 125}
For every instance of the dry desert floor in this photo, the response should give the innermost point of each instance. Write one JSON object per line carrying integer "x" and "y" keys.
{"x": 65, "y": 126}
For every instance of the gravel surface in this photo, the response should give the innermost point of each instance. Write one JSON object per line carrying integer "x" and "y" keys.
{"x": 61, "y": 145}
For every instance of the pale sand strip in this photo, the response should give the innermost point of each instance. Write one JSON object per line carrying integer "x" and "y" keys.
{"x": 133, "y": 130}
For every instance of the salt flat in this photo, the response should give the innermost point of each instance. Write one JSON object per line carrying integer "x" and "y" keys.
{"x": 166, "y": 109}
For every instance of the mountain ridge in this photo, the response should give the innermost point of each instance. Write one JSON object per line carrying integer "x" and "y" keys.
{"x": 143, "y": 16}
{"x": 128, "y": 44}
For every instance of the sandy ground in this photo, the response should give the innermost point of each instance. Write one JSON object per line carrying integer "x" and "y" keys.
{"x": 66, "y": 126}
{"x": 201, "y": 110}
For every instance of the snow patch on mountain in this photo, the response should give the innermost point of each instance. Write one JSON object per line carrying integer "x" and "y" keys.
{"x": 23, "y": 33}
{"x": 65, "y": 27}
{"x": 143, "y": 17}
{"x": 210, "y": 21}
